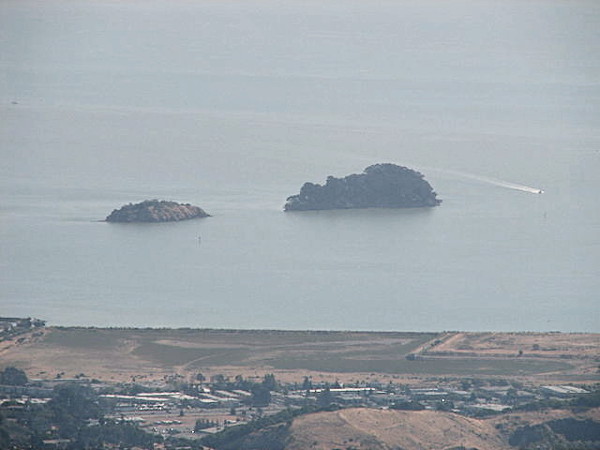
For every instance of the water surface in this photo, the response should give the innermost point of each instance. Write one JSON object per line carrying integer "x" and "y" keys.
{"x": 233, "y": 105}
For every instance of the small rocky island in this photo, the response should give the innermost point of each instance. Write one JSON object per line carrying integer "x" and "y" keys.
{"x": 156, "y": 211}
{"x": 379, "y": 186}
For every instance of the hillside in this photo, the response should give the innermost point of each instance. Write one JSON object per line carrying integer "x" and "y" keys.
{"x": 385, "y": 429}
{"x": 377, "y": 429}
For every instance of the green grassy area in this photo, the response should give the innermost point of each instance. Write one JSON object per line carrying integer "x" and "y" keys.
{"x": 392, "y": 350}
{"x": 227, "y": 353}
{"x": 80, "y": 336}
{"x": 461, "y": 367}
{"x": 83, "y": 338}
{"x": 169, "y": 355}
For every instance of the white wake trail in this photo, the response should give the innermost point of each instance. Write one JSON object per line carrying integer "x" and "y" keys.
{"x": 493, "y": 181}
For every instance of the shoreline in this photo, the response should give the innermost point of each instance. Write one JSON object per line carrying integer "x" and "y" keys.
{"x": 309, "y": 330}
{"x": 51, "y": 324}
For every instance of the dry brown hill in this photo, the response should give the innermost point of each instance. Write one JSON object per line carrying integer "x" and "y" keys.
{"x": 364, "y": 428}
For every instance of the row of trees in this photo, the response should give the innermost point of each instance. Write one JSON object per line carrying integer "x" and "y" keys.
{"x": 261, "y": 392}
{"x": 13, "y": 377}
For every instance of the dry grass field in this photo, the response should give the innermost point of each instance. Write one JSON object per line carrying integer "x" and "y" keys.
{"x": 364, "y": 428}
{"x": 147, "y": 354}
{"x": 541, "y": 345}
{"x": 579, "y": 350}
{"x": 378, "y": 429}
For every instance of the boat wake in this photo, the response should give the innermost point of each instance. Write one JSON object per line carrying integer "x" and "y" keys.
{"x": 493, "y": 181}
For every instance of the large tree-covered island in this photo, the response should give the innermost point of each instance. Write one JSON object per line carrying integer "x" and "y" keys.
{"x": 379, "y": 186}
{"x": 156, "y": 211}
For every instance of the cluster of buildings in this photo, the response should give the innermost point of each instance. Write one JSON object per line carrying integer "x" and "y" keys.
{"x": 156, "y": 401}
{"x": 13, "y": 326}
{"x": 169, "y": 411}
{"x": 480, "y": 400}
{"x": 474, "y": 401}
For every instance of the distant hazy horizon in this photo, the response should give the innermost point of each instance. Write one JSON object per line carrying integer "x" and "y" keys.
{"x": 233, "y": 105}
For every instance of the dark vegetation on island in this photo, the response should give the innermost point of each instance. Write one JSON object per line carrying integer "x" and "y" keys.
{"x": 379, "y": 186}
{"x": 156, "y": 211}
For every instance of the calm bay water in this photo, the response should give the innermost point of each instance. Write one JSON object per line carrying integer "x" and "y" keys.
{"x": 233, "y": 105}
